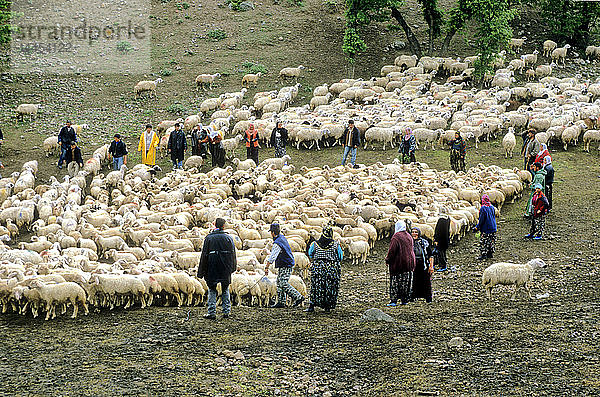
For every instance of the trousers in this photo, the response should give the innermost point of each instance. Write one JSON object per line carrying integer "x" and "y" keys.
{"x": 347, "y": 150}
{"x": 211, "y": 304}
{"x": 284, "y": 287}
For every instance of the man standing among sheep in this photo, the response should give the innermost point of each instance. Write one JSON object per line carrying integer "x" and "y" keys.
{"x": 217, "y": 261}
{"x": 118, "y": 152}
{"x": 351, "y": 143}
{"x": 177, "y": 146}
{"x": 74, "y": 159}
{"x": 65, "y": 137}
{"x": 530, "y": 148}
{"x": 148, "y": 143}
{"x": 281, "y": 255}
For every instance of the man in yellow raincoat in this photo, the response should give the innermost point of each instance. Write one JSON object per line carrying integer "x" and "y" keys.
{"x": 148, "y": 143}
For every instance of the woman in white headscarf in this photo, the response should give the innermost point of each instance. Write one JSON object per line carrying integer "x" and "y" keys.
{"x": 401, "y": 262}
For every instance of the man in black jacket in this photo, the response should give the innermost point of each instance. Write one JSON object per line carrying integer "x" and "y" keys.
{"x": 73, "y": 159}
{"x": 118, "y": 152}
{"x": 177, "y": 146}
{"x": 351, "y": 143}
{"x": 65, "y": 137}
{"x": 217, "y": 262}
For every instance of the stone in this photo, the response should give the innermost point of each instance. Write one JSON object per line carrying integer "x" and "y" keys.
{"x": 220, "y": 361}
{"x": 374, "y": 314}
{"x": 327, "y": 394}
{"x": 228, "y": 353}
{"x": 238, "y": 355}
{"x": 244, "y": 6}
{"x": 457, "y": 341}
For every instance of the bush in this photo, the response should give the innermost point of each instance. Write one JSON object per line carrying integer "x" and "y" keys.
{"x": 124, "y": 46}
{"x": 166, "y": 72}
{"x": 235, "y": 4}
{"x": 177, "y": 108}
{"x": 254, "y": 68}
{"x": 216, "y": 34}
{"x": 297, "y": 3}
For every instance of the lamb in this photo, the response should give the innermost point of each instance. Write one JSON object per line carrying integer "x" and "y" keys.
{"x": 251, "y": 78}
{"x": 560, "y": 53}
{"x": 61, "y": 293}
{"x": 504, "y": 273}
{"x": 147, "y": 85}
{"x": 202, "y": 80}
{"x": 193, "y": 162}
{"x": 516, "y": 44}
{"x": 530, "y": 59}
{"x": 231, "y": 144}
{"x": 29, "y": 109}
{"x": 549, "y": 46}
{"x": 509, "y": 142}
{"x": 291, "y": 73}
{"x": 357, "y": 249}
{"x": 50, "y": 145}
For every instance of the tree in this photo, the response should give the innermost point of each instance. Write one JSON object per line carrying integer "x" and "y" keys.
{"x": 570, "y": 21}
{"x": 5, "y": 17}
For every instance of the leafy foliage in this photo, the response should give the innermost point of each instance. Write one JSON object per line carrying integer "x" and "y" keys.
{"x": 216, "y": 34}
{"x": 570, "y": 21}
{"x": 254, "y": 68}
{"x": 177, "y": 109}
{"x": 124, "y": 46}
{"x": 5, "y": 17}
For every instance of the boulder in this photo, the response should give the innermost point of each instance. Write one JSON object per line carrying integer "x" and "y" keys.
{"x": 374, "y": 314}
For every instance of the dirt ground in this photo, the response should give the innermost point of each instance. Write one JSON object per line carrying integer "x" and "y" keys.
{"x": 543, "y": 346}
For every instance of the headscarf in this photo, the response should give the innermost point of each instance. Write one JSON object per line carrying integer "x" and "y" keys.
{"x": 420, "y": 246}
{"x": 326, "y": 237}
{"x": 542, "y": 153}
{"x": 212, "y": 132}
{"x": 485, "y": 201}
{"x": 418, "y": 231}
{"x": 409, "y": 133}
{"x": 547, "y": 160}
{"x": 400, "y": 226}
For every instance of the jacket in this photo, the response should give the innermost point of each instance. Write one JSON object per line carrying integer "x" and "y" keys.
{"x": 251, "y": 138}
{"x": 401, "y": 256}
{"x": 442, "y": 233}
{"x": 177, "y": 144}
{"x": 218, "y": 259}
{"x": 540, "y": 205}
{"x": 487, "y": 219}
{"x": 66, "y": 136}
{"x": 354, "y": 137}
{"x": 408, "y": 145}
{"x": 285, "y": 257}
{"x": 284, "y": 136}
{"x": 549, "y": 174}
{"x": 539, "y": 177}
{"x": 117, "y": 149}
{"x": 74, "y": 155}
{"x": 459, "y": 145}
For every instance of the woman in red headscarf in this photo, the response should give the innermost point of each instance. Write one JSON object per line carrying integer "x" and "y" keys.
{"x": 487, "y": 227}
{"x": 542, "y": 153}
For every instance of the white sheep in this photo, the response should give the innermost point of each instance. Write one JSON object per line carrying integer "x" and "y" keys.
{"x": 50, "y": 145}
{"x": 291, "y": 73}
{"x": 504, "y": 273}
{"x": 560, "y": 53}
{"x": 244, "y": 165}
{"x": 589, "y": 137}
{"x": 231, "y": 144}
{"x": 193, "y": 162}
{"x": 549, "y": 46}
{"x": 147, "y": 85}
{"x": 61, "y": 293}
{"x": 379, "y": 134}
{"x": 29, "y": 109}
{"x": 509, "y": 142}
{"x": 203, "y": 80}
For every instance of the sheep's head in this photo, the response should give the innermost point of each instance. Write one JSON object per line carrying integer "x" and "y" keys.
{"x": 538, "y": 262}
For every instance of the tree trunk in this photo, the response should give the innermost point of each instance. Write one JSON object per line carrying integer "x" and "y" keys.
{"x": 413, "y": 43}
{"x": 430, "y": 50}
{"x": 447, "y": 40}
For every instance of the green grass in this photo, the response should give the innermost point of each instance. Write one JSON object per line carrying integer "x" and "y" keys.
{"x": 216, "y": 34}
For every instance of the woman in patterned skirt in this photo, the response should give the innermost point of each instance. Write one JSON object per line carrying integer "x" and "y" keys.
{"x": 327, "y": 256}
{"x": 487, "y": 227}
{"x": 401, "y": 262}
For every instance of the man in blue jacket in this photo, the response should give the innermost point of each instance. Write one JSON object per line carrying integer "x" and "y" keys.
{"x": 281, "y": 255}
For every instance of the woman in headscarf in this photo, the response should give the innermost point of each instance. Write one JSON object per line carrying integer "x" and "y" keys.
{"x": 540, "y": 206}
{"x": 408, "y": 145}
{"x": 401, "y": 262}
{"x": 217, "y": 152}
{"x": 539, "y": 176}
{"x": 423, "y": 266}
{"x": 487, "y": 227}
{"x": 279, "y": 138}
{"x": 549, "y": 168}
{"x": 539, "y": 158}
{"x": 325, "y": 271}
{"x": 458, "y": 151}
{"x": 441, "y": 238}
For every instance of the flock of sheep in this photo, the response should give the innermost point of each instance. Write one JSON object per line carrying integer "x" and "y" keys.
{"x": 135, "y": 239}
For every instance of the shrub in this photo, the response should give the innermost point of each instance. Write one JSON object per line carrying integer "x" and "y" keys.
{"x": 177, "y": 108}
{"x": 166, "y": 72}
{"x": 254, "y": 68}
{"x": 216, "y": 34}
{"x": 124, "y": 46}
